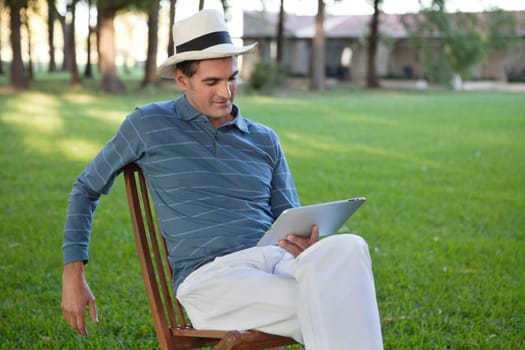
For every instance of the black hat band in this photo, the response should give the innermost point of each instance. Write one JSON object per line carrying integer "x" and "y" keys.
{"x": 204, "y": 41}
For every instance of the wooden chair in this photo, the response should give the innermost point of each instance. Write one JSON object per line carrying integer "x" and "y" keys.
{"x": 173, "y": 328}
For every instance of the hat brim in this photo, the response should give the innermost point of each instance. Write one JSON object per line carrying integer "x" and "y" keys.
{"x": 165, "y": 70}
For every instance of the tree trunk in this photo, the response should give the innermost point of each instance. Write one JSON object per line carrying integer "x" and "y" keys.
{"x": 71, "y": 10}
{"x": 110, "y": 82}
{"x": 373, "y": 39}
{"x": 62, "y": 20}
{"x": 225, "y": 6}
{"x": 317, "y": 82}
{"x": 201, "y": 5}
{"x": 51, "y": 15}
{"x": 88, "y": 72}
{"x": 150, "y": 77}
{"x": 171, "y": 45}
{"x": 280, "y": 35}
{"x": 1, "y": 63}
{"x": 17, "y": 78}
{"x": 25, "y": 22}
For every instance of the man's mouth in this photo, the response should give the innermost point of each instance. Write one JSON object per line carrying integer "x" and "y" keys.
{"x": 222, "y": 102}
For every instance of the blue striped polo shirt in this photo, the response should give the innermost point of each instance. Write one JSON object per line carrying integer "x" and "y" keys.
{"x": 215, "y": 191}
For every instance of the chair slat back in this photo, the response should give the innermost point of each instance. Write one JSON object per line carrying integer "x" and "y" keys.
{"x": 168, "y": 313}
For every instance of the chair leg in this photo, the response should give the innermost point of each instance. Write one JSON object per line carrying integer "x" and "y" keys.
{"x": 229, "y": 341}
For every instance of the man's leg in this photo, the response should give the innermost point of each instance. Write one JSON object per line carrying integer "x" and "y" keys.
{"x": 336, "y": 302}
{"x": 326, "y": 296}
{"x": 243, "y": 291}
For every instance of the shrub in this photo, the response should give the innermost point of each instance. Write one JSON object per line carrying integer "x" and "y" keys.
{"x": 266, "y": 76}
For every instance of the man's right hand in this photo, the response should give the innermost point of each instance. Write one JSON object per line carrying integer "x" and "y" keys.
{"x": 76, "y": 295}
{"x": 296, "y": 244}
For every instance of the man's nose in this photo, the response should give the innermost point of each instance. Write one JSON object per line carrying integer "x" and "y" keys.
{"x": 225, "y": 90}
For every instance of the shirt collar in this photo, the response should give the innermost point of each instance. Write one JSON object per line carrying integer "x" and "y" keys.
{"x": 186, "y": 112}
{"x": 239, "y": 120}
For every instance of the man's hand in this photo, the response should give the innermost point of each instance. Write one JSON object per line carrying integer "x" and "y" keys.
{"x": 295, "y": 244}
{"x": 76, "y": 295}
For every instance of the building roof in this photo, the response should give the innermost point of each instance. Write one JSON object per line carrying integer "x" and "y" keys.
{"x": 264, "y": 25}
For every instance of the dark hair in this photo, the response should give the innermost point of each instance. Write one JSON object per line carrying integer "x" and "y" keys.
{"x": 188, "y": 68}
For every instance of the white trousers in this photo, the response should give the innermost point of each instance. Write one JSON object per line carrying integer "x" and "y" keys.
{"x": 325, "y": 298}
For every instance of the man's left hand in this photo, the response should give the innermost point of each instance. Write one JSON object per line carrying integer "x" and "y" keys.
{"x": 296, "y": 244}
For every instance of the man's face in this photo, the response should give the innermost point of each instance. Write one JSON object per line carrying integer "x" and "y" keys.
{"x": 212, "y": 88}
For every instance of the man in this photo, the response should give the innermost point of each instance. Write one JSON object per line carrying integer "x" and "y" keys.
{"x": 218, "y": 181}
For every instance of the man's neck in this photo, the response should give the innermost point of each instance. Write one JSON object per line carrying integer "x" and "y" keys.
{"x": 216, "y": 122}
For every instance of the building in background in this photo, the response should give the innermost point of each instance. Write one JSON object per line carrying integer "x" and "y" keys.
{"x": 346, "y": 51}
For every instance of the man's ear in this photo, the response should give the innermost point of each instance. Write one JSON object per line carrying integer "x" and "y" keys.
{"x": 181, "y": 79}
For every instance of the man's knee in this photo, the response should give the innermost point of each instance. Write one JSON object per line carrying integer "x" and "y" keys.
{"x": 347, "y": 239}
{"x": 336, "y": 247}
{"x": 344, "y": 244}
{"x": 333, "y": 257}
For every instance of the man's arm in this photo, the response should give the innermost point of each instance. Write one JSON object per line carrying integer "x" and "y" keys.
{"x": 95, "y": 180}
{"x": 76, "y": 295}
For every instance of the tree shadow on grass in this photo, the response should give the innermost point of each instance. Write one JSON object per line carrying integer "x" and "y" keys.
{"x": 46, "y": 139}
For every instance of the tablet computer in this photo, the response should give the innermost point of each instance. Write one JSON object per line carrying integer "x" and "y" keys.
{"x": 329, "y": 217}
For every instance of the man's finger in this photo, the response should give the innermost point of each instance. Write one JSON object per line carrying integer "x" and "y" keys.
{"x": 290, "y": 247}
{"x": 299, "y": 241}
{"x": 81, "y": 327}
{"x": 75, "y": 319}
{"x": 314, "y": 235}
{"x": 93, "y": 310}
{"x": 76, "y": 322}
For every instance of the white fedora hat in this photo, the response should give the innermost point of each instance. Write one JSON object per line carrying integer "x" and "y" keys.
{"x": 199, "y": 37}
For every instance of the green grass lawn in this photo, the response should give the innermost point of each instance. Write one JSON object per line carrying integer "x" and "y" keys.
{"x": 443, "y": 173}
